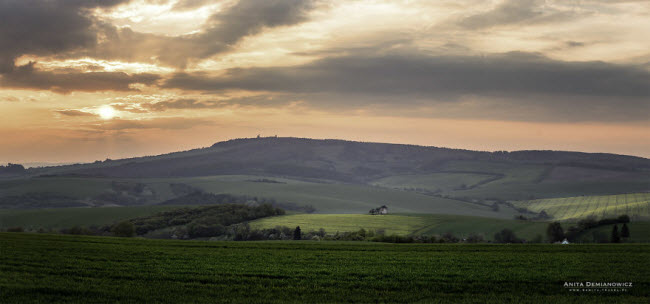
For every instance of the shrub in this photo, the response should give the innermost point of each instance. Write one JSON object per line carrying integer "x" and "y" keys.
{"x": 123, "y": 229}
{"x": 537, "y": 239}
{"x": 506, "y": 236}
{"x": 474, "y": 238}
{"x": 624, "y": 218}
{"x": 448, "y": 237}
{"x": 297, "y": 234}
{"x": 625, "y": 231}
{"x": 616, "y": 238}
{"x": 554, "y": 232}
{"x": 77, "y": 230}
{"x": 15, "y": 229}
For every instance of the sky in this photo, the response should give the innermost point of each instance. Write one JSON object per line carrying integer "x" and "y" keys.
{"x": 88, "y": 80}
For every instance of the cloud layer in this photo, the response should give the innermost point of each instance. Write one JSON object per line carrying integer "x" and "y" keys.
{"x": 515, "y": 79}
{"x": 170, "y": 67}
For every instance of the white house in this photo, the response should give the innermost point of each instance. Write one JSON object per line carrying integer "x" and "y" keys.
{"x": 383, "y": 210}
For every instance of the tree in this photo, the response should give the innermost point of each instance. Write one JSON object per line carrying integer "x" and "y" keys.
{"x": 506, "y": 236}
{"x": 448, "y": 237}
{"x": 123, "y": 229}
{"x": 625, "y": 232}
{"x": 12, "y": 169}
{"x": 474, "y": 238}
{"x": 616, "y": 238}
{"x": 624, "y": 218}
{"x": 297, "y": 234}
{"x": 543, "y": 215}
{"x": 554, "y": 232}
{"x": 15, "y": 229}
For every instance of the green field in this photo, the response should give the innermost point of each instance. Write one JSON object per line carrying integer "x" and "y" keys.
{"x": 442, "y": 181}
{"x": 430, "y": 224}
{"x": 342, "y": 198}
{"x": 33, "y": 219}
{"x": 405, "y": 224}
{"x": 325, "y": 197}
{"x": 636, "y": 205}
{"x": 519, "y": 173}
{"x": 51, "y": 268}
{"x": 71, "y": 186}
{"x": 526, "y": 181}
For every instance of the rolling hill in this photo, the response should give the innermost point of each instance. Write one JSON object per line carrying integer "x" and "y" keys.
{"x": 336, "y": 176}
{"x": 607, "y": 206}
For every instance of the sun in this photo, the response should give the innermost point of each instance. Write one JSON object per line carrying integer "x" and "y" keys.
{"x": 106, "y": 112}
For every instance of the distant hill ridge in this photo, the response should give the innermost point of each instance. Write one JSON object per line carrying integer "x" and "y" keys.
{"x": 329, "y": 159}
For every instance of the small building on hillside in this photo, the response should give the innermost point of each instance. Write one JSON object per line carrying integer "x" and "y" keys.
{"x": 383, "y": 210}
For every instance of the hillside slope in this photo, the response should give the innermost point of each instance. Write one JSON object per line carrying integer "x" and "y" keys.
{"x": 336, "y": 176}
{"x": 344, "y": 161}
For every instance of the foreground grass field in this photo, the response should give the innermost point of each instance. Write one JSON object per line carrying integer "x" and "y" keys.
{"x": 50, "y": 268}
{"x": 636, "y": 205}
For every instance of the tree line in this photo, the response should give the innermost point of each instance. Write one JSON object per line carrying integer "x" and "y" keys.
{"x": 556, "y": 233}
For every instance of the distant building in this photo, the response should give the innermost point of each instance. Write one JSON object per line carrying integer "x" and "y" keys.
{"x": 383, "y": 210}
{"x": 565, "y": 242}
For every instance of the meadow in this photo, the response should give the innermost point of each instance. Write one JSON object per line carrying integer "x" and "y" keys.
{"x": 429, "y": 224}
{"x": 324, "y": 197}
{"x": 33, "y": 219}
{"x": 405, "y": 224}
{"x": 79, "y": 269}
{"x": 636, "y": 205}
{"x": 435, "y": 182}
{"x": 341, "y": 198}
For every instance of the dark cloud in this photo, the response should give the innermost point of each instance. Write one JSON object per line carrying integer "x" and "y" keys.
{"x": 27, "y": 77}
{"x": 515, "y": 12}
{"x": 66, "y": 29}
{"x": 574, "y": 44}
{"x": 75, "y": 113}
{"x": 438, "y": 76}
{"x": 52, "y": 28}
{"x": 181, "y": 104}
{"x": 401, "y": 79}
{"x": 190, "y": 103}
{"x": 249, "y": 17}
{"x": 221, "y": 32}
{"x": 45, "y": 27}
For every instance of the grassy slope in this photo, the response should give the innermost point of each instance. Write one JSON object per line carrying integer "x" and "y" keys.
{"x": 441, "y": 181}
{"x": 70, "y": 186}
{"x": 636, "y": 205}
{"x": 522, "y": 181}
{"x": 345, "y": 198}
{"x": 404, "y": 224}
{"x": 325, "y": 197}
{"x": 48, "y": 268}
{"x": 69, "y": 217}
